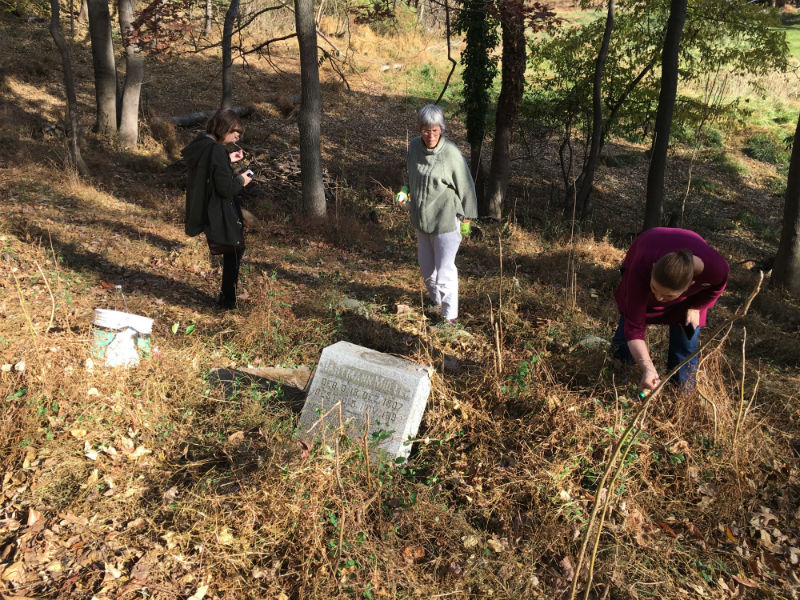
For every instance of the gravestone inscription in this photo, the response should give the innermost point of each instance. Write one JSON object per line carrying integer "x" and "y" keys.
{"x": 359, "y": 381}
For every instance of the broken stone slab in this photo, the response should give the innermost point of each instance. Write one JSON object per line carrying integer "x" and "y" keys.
{"x": 355, "y": 306}
{"x": 233, "y": 381}
{"x": 385, "y": 394}
{"x": 591, "y": 342}
{"x": 297, "y": 377}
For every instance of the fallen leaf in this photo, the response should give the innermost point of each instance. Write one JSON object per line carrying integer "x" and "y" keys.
{"x": 55, "y": 567}
{"x": 138, "y": 523}
{"x": 33, "y": 516}
{"x": 707, "y": 489}
{"x": 199, "y": 594}
{"x": 106, "y": 285}
{"x": 730, "y": 535}
{"x": 744, "y": 581}
{"x": 14, "y": 573}
{"x": 679, "y": 447}
{"x": 498, "y": 545}
{"x": 567, "y": 567}
{"x": 88, "y": 452}
{"x": 171, "y": 494}
{"x": 141, "y": 570}
{"x": 403, "y": 309}
{"x": 413, "y": 554}
{"x": 113, "y": 571}
{"x": 140, "y": 451}
{"x": 455, "y": 569}
{"x": 305, "y": 449}
{"x": 470, "y": 541}
{"x": 667, "y": 528}
{"x": 78, "y": 433}
{"x": 236, "y": 438}
{"x": 224, "y": 537}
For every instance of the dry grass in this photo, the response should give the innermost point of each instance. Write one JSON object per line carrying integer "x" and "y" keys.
{"x": 152, "y": 481}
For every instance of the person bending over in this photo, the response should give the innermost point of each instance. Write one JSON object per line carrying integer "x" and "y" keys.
{"x": 672, "y": 277}
{"x": 212, "y": 203}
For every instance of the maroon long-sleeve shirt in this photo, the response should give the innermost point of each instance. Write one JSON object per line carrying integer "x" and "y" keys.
{"x": 635, "y": 300}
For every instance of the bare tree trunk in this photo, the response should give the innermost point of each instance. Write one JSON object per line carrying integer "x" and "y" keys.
{"x": 513, "y": 79}
{"x": 310, "y": 111}
{"x": 786, "y": 271}
{"x": 105, "y": 70}
{"x": 209, "y": 14}
{"x": 586, "y": 181}
{"x": 134, "y": 75}
{"x": 71, "y": 120}
{"x": 227, "y": 59}
{"x": 666, "y": 104}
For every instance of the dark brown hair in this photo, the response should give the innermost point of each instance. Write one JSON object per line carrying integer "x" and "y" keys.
{"x": 223, "y": 122}
{"x": 675, "y": 270}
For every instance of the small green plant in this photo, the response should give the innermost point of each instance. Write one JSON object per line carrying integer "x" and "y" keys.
{"x": 765, "y": 148}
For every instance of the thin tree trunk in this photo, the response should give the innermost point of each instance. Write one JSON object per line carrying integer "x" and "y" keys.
{"x": 105, "y": 70}
{"x": 83, "y": 16}
{"x": 310, "y": 111}
{"x": 586, "y": 181}
{"x": 479, "y": 176}
{"x": 513, "y": 75}
{"x": 786, "y": 271}
{"x": 71, "y": 120}
{"x": 134, "y": 75}
{"x": 666, "y": 104}
{"x": 227, "y": 59}
{"x": 209, "y": 14}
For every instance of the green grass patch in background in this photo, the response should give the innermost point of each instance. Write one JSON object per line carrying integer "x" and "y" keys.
{"x": 766, "y": 148}
{"x": 791, "y": 26}
{"x": 726, "y": 163}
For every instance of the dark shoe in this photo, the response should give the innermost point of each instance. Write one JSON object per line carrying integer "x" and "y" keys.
{"x": 225, "y": 303}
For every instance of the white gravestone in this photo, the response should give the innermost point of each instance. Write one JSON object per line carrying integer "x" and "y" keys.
{"x": 392, "y": 390}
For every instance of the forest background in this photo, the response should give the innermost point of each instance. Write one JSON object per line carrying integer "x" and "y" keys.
{"x": 539, "y": 473}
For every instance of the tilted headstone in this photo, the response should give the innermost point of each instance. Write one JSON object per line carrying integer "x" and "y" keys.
{"x": 392, "y": 390}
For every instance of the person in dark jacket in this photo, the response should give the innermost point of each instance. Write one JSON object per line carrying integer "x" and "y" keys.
{"x": 212, "y": 204}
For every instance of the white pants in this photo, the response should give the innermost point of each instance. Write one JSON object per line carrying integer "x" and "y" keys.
{"x": 437, "y": 264}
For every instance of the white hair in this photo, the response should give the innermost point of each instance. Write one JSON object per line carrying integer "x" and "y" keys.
{"x": 430, "y": 115}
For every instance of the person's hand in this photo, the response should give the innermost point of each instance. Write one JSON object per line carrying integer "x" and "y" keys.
{"x": 650, "y": 378}
{"x": 245, "y": 177}
{"x": 236, "y": 156}
{"x": 402, "y": 196}
{"x": 693, "y": 318}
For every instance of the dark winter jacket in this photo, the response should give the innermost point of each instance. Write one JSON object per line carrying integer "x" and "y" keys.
{"x": 211, "y": 204}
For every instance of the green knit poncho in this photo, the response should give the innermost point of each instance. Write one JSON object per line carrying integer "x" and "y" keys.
{"x": 440, "y": 187}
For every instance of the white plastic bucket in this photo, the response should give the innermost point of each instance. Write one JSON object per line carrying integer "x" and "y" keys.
{"x": 120, "y": 338}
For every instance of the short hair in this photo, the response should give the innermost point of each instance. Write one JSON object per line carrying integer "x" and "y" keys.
{"x": 430, "y": 115}
{"x": 223, "y": 122}
{"x": 675, "y": 270}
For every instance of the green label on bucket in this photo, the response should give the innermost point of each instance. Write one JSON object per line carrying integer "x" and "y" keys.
{"x": 102, "y": 338}
{"x": 465, "y": 227}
